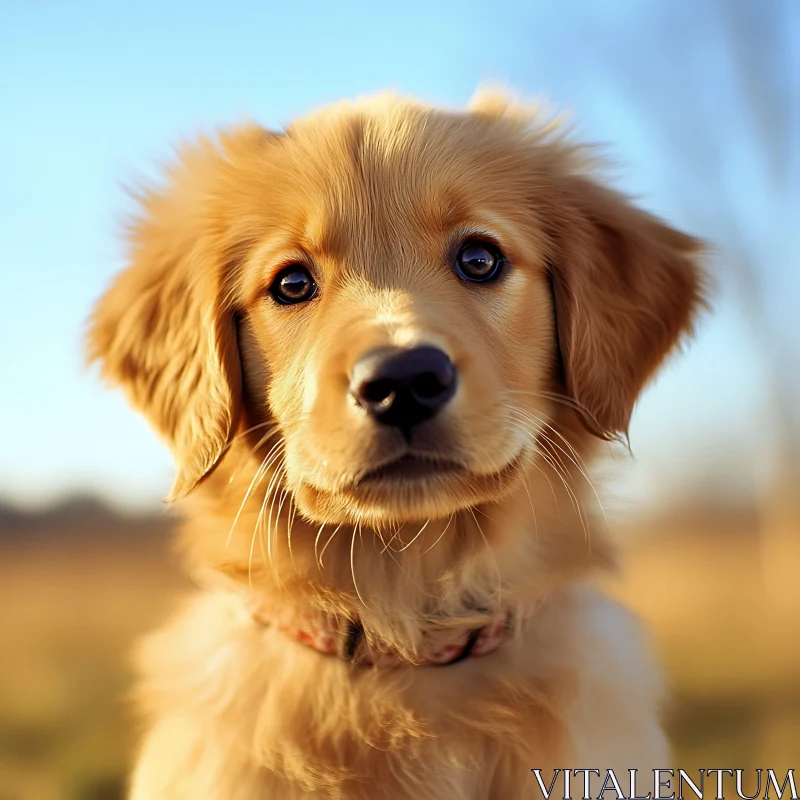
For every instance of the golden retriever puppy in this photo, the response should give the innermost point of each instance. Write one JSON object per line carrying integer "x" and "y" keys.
{"x": 382, "y": 346}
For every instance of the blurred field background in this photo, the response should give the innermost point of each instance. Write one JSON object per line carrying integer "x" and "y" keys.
{"x": 700, "y": 105}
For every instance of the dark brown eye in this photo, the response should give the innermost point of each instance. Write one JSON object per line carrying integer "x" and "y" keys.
{"x": 478, "y": 261}
{"x": 293, "y": 284}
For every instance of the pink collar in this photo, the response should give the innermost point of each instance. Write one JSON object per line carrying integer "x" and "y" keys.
{"x": 334, "y": 635}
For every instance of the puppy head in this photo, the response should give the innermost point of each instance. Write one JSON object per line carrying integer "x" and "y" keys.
{"x": 402, "y": 294}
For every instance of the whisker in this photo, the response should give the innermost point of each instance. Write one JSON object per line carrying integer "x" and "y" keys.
{"x": 551, "y": 458}
{"x": 572, "y": 455}
{"x": 549, "y": 461}
{"x": 284, "y": 495}
{"x": 555, "y": 458}
{"x": 253, "y": 450}
{"x": 579, "y": 463}
{"x": 533, "y": 510}
{"x": 527, "y": 417}
{"x": 316, "y": 543}
{"x": 388, "y": 544}
{"x": 521, "y": 428}
{"x": 330, "y": 539}
{"x": 441, "y": 535}
{"x": 555, "y": 463}
{"x": 383, "y": 541}
{"x": 352, "y": 563}
{"x": 292, "y": 514}
{"x": 257, "y": 477}
{"x": 276, "y": 480}
{"x": 406, "y": 546}
{"x": 572, "y": 403}
{"x": 576, "y": 504}
{"x": 266, "y": 557}
{"x": 273, "y": 427}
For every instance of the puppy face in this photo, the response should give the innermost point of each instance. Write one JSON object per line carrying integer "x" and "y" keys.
{"x": 399, "y": 296}
{"x": 414, "y": 299}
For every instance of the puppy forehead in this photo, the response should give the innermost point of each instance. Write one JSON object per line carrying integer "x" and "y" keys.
{"x": 372, "y": 178}
{"x": 384, "y": 195}
{"x": 370, "y": 193}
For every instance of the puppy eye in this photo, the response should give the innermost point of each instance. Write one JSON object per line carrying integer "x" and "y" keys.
{"x": 478, "y": 261}
{"x": 293, "y": 284}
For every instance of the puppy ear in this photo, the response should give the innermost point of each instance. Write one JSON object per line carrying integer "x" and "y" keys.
{"x": 162, "y": 332}
{"x": 626, "y": 288}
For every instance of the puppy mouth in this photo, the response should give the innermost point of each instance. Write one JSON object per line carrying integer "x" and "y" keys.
{"x": 408, "y": 468}
{"x": 410, "y": 487}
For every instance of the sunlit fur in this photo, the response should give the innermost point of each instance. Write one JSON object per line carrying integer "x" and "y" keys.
{"x": 375, "y": 197}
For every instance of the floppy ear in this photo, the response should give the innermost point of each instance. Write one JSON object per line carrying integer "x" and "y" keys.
{"x": 626, "y": 288}
{"x": 161, "y": 331}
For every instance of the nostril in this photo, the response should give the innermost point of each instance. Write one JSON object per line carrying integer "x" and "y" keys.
{"x": 428, "y": 385}
{"x": 377, "y": 392}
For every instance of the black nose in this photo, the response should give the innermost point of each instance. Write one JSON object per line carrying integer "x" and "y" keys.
{"x": 402, "y": 388}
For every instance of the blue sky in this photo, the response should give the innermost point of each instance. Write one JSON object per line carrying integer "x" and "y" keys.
{"x": 93, "y": 96}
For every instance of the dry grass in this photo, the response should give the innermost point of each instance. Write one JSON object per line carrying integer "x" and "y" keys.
{"x": 71, "y": 611}
{"x": 724, "y": 607}
{"x": 72, "y": 606}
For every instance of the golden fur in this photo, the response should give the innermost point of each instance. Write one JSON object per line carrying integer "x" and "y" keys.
{"x": 251, "y": 398}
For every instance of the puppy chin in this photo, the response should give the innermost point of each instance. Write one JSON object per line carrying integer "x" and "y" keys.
{"x": 384, "y": 503}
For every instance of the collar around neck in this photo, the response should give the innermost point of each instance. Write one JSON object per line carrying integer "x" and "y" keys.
{"x": 333, "y": 635}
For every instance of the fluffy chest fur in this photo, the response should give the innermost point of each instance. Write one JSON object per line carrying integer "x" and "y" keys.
{"x": 250, "y": 713}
